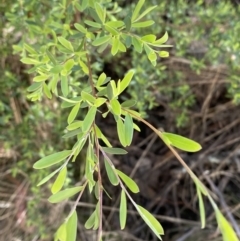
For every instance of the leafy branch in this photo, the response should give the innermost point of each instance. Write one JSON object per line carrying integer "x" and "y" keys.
{"x": 57, "y": 63}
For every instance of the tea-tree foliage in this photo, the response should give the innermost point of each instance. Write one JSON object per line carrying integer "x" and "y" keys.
{"x": 70, "y": 36}
{"x": 203, "y": 32}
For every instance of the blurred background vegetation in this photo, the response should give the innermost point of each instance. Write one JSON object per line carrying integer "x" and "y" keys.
{"x": 195, "y": 92}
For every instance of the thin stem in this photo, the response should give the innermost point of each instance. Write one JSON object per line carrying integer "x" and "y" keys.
{"x": 90, "y": 71}
{"x": 77, "y": 201}
{"x": 97, "y": 150}
{"x": 99, "y": 185}
{"x": 159, "y": 133}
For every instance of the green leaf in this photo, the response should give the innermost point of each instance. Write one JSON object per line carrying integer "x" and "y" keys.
{"x": 201, "y": 208}
{"x": 128, "y": 129}
{"x": 122, "y": 47}
{"x": 73, "y": 101}
{"x": 88, "y": 97}
{"x": 34, "y": 86}
{"x": 137, "y": 9}
{"x": 30, "y": 61}
{"x": 56, "y": 69}
{"x": 128, "y": 22}
{"x": 150, "y": 38}
{"x": 116, "y": 107}
{"x": 121, "y": 132}
{"x": 163, "y": 54}
{"x": 111, "y": 173}
{"x": 129, "y": 103}
{"x": 148, "y": 10}
{"x": 101, "y": 79}
{"x": 51, "y": 57}
{"x": 64, "y": 194}
{"x": 138, "y": 44}
{"x": 101, "y": 40}
{"x": 111, "y": 30}
{"x": 143, "y": 24}
{"x": 99, "y": 101}
{"x": 97, "y": 216}
{"x": 40, "y": 78}
{"x": 75, "y": 125}
{"x": 64, "y": 85}
{"x": 62, "y": 232}
{"x": 115, "y": 24}
{"x": 182, "y": 143}
{"x": 48, "y": 177}
{"x": 58, "y": 184}
{"x": 100, "y": 12}
{"x": 101, "y": 136}
{"x": 84, "y": 67}
{"x": 29, "y": 49}
{"x": 151, "y": 221}
{"x": 128, "y": 181}
{"x": 93, "y": 24}
{"x": 69, "y": 64}
{"x": 72, "y": 133}
{"x": 126, "y": 81}
{"x": 71, "y": 227}
{"x": 123, "y": 210}
{"x": 52, "y": 159}
{"x": 225, "y": 228}
{"x": 47, "y": 91}
{"x": 89, "y": 118}
{"x": 114, "y": 151}
{"x": 115, "y": 45}
{"x": 80, "y": 28}
{"x": 73, "y": 113}
{"x": 91, "y": 221}
{"x": 65, "y": 43}
{"x": 162, "y": 40}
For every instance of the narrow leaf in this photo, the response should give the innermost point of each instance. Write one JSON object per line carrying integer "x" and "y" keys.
{"x": 137, "y": 9}
{"x": 128, "y": 129}
{"x": 182, "y": 143}
{"x": 62, "y": 232}
{"x": 201, "y": 208}
{"x": 71, "y": 227}
{"x": 128, "y": 181}
{"x": 111, "y": 173}
{"x": 73, "y": 113}
{"x": 101, "y": 40}
{"x": 101, "y": 79}
{"x": 67, "y": 44}
{"x": 162, "y": 40}
{"x": 92, "y": 24}
{"x": 80, "y": 28}
{"x": 48, "y": 177}
{"x": 123, "y": 210}
{"x": 114, "y": 151}
{"x": 64, "y": 194}
{"x": 91, "y": 221}
{"x": 115, "y": 46}
{"x": 116, "y": 107}
{"x": 58, "y": 184}
{"x": 225, "y": 227}
{"x": 89, "y": 118}
{"x": 148, "y": 10}
{"x": 151, "y": 221}
{"x": 121, "y": 132}
{"x": 129, "y": 103}
{"x": 126, "y": 80}
{"x": 64, "y": 85}
{"x": 52, "y": 159}
{"x": 143, "y": 24}
{"x": 88, "y": 97}
{"x": 40, "y": 78}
